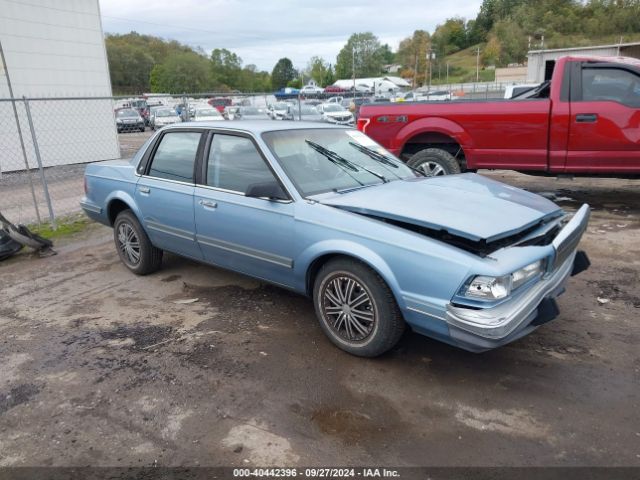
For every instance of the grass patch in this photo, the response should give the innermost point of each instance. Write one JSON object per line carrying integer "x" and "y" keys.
{"x": 67, "y": 226}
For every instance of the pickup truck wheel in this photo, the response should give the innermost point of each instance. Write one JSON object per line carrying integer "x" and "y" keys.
{"x": 434, "y": 162}
{"x": 133, "y": 245}
{"x": 356, "y": 308}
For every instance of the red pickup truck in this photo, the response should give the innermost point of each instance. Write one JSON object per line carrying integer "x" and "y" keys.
{"x": 585, "y": 119}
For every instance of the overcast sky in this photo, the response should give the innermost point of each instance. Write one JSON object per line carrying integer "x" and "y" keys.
{"x": 261, "y": 32}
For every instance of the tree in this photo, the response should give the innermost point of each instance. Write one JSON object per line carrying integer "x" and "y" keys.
{"x": 130, "y": 67}
{"x": 185, "y": 72}
{"x": 226, "y": 68}
{"x": 283, "y": 72}
{"x": 132, "y": 57}
{"x": 412, "y": 55}
{"x": 368, "y": 58}
{"x": 329, "y": 77}
{"x": 513, "y": 41}
{"x": 492, "y": 51}
{"x": 449, "y": 37}
{"x": 317, "y": 69}
{"x": 388, "y": 57}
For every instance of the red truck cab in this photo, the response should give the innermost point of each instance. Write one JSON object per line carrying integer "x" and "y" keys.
{"x": 584, "y": 120}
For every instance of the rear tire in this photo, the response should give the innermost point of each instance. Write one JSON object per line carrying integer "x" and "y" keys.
{"x": 434, "y": 162}
{"x": 133, "y": 245}
{"x": 356, "y": 309}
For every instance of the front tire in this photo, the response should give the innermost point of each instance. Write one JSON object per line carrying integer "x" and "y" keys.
{"x": 434, "y": 162}
{"x": 133, "y": 245}
{"x": 356, "y": 308}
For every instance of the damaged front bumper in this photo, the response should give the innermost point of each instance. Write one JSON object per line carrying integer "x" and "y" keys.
{"x": 478, "y": 330}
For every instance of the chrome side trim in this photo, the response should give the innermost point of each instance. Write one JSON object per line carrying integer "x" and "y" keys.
{"x": 123, "y": 180}
{"x": 176, "y": 232}
{"x": 420, "y": 305}
{"x": 246, "y": 251}
{"x": 90, "y": 207}
{"x": 160, "y": 179}
{"x": 241, "y": 194}
{"x": 425, "y": 313}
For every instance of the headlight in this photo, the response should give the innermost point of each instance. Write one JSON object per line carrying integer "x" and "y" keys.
{"x": 522, "y": 276}
{"x": 496, "y": 288}
{"x": 490, "y": 288}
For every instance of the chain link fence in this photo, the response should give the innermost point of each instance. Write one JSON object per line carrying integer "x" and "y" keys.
{"x": 45, "y": 143}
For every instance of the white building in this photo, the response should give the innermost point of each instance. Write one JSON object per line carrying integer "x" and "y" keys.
{"x": 540, "y": 62}
{"x": 52, "y": 50}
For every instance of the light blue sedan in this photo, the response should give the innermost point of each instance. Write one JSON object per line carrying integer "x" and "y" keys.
{"x": 328, "y": 213}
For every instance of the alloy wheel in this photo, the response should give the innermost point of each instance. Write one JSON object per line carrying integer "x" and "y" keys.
{"x": 128, "y": 244}
{"x": 348, "y": 308}
{"x": 431, "y": 169}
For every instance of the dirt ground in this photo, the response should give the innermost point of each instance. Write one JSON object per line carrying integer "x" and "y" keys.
{"x": 100, "y": 367}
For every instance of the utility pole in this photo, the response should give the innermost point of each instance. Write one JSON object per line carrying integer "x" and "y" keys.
{"x": 619, "y": 44}
{"x": 353, "y": 68}
{"x": 430, "y": 67}
{"x": 478, "y": 65}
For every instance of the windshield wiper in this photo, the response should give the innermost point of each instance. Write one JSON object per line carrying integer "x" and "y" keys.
{"x": 379, "y": 157}
{"x": 343, "y": 162}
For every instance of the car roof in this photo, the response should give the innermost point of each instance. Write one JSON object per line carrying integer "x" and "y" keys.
{"x": 256, "y": 127}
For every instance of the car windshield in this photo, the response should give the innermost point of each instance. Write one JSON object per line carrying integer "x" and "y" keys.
{"x": 207, "y": 112}
{"x": 309, "y": 111}
{"x": 165, "y": 113}
{"x": 280, "y": 106}
{"x": 126, "y": 113}
{"x": 333, "y": 107}
{"x": 325, "y": 160}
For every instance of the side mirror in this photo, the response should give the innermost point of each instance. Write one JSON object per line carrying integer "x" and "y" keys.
{"x": 271, "y": 190}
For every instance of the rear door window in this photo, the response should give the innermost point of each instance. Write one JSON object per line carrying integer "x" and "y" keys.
{"x": 175, "y": 156}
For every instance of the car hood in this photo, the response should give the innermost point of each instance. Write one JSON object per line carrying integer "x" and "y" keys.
{"x": 466, "y": 205}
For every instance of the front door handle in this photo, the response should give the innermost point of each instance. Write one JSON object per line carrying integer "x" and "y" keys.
{"x": 208, "y": 204}
{"x": 587, "y": 118}
{"x": 144, "y": 190}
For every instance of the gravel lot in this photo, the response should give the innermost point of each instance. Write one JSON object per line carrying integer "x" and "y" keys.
{"x": 101, "y": 367}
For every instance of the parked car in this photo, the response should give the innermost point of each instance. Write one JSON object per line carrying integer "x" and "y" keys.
{"x": 279, "y": 111}
{"x": 334, "y": 113}
{"x": 220, "y": 103}
{"x": 306, "y": 113}
{"x": 183, "y": 109}
{"x": 337, "y": 99}
{"x": 431, "y": 95}
{"x": 343, "y": 221}
{"x": 229, "y": 113}
{"x": 512, "y": 91}
{"x": 311, "y": 90}
{"x": 334, "y": 89}
{"x": 208, "y": 114}
{"x": 252, "y": 113}
{"x": 128, "y": 120}
{"x": 142, "y": 107}
{"x": 577, "y": 122}
{"x": 357, "y": 102}
{"x": 162, "y": 116}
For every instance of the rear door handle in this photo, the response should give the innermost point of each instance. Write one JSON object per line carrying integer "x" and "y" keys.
{"x": 144, "y": 189}
{"x": 587, "y": 118}
{"x": 208, "y": 204}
